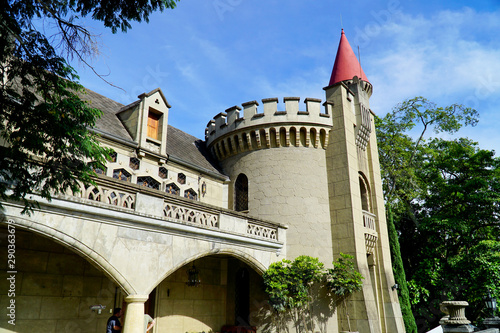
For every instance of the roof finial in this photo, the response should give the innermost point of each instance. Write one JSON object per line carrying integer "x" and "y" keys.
{"x": 341, "y": 25}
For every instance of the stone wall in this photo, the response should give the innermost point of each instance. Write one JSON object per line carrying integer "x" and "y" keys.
{"x": 289, "y": 185}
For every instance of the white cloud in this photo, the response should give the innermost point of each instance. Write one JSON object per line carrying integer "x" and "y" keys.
{"x": 436, "y": 57}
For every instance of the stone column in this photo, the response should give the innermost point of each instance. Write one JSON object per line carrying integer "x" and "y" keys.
{"x": 134, "y": 315}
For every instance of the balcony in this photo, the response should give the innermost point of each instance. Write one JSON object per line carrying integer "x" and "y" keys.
{"x": 180, "y": 212}
{"x": 371, "y": 234}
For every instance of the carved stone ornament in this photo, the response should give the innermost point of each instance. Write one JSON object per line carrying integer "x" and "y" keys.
{"x": 455, "y": 311}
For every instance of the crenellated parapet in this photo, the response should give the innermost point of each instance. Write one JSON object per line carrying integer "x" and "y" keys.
{"x": 251, "y": 126}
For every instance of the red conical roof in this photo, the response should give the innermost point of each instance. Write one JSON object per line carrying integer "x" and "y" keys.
{"x": 346, "y": 64}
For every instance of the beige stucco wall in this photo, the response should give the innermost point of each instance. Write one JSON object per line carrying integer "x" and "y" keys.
{"x": 376, "y": 307}
{"x": 289, "y": 185}
{"x": 182, "y": 308}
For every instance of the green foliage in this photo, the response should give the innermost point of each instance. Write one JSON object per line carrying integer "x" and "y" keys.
{"x": 289, "y": 283}
{"x": 399, "y": 152}
{"x": 343, "y": 279}
{"x": 399, "y": 275}
{"x": 292, "y": 286}
{"x": 483, "y": 263}
{"x": 445, "y": 197}
{"x": 45, "y": 140}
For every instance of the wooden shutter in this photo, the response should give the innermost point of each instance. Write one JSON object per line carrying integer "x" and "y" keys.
{"x": 153, "y": 125}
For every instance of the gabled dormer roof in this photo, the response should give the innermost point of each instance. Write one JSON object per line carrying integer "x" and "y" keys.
{"x": 152, "y": 92}
{"x": 346, "y": 65}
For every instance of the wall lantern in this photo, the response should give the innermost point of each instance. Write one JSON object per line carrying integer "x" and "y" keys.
{"x": 193, "y": 277}
{"x": 98, "y": 308}
{"x": 491, "y": 303}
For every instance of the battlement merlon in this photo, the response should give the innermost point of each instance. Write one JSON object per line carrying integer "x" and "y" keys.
{"x": 232, "y": 119}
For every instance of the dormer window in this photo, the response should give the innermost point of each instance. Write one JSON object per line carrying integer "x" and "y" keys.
{"x": 146, "y": 121}
{"x": 154, "y": 125}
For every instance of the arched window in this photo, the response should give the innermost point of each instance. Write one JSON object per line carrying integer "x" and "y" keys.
{"x": 241, "y": 193}
{"x": 365, "y": 193}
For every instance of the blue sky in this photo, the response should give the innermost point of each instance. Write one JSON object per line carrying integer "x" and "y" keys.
{"x": 208, "y": 55}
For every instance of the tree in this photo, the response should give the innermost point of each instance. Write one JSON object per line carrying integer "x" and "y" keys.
{"x": 443, "y": 197}
{"x": 458, "y": 218}
{"x": 45, "y": 142}
{"x": 400, "y": 156}
{"x": 399, "y": 152}
{"x": 400, "y": 275}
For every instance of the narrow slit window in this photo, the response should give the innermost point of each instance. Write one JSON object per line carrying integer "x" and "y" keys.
{"x": 241, "y": 193}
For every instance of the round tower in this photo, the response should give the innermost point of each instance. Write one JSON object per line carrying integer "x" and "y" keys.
{"x": 277, "y": 165}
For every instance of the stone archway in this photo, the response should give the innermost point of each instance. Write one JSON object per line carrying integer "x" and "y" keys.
{"x": 55, "y": 287}
{"x": 211, "y": 305}
{"x": 57, "y": 231}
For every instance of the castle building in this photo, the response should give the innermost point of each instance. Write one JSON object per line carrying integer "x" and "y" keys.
{"x": 183, "y": 228}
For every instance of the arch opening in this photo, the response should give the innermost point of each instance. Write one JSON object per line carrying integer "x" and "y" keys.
{"x": 230, "y": 290}
{"x": 57, "y": 283}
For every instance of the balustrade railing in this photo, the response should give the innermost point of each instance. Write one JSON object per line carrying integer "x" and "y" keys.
{"x": 262, "y": 231}
{"x": 108, "y": 195}
{"x": 371, "y": 235}
{"x": 369, "y": 220}
{"x": 124, "y": 195}
{"x": 185, "y": 214}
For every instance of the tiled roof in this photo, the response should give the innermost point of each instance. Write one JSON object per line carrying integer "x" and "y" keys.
{"x": 189, "y": 149}
{"x": 180, "y": 145}
{"x": 109, "y": 122}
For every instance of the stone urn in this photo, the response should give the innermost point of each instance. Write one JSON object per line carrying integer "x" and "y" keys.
{"x": 455, "y": 320}
{"x": 455, "y": 311}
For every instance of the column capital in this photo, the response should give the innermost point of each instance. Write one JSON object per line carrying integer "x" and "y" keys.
{"x": 136, "y": 298}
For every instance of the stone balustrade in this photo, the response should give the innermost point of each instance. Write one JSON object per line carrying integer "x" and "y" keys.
{"x": 369, "y": 220}
{"x": 371, "y": 235}
{"x": 142, "y": 200}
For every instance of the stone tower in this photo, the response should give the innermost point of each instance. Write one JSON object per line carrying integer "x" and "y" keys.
{"x": 356, "y": 199}
{"x": 277, "y": 163}
{"x": 317, "y": 172}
